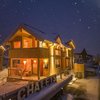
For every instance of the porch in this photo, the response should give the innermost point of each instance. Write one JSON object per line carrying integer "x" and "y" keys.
{"x": 17, "y": 74}
{"x": 29, "y": 68}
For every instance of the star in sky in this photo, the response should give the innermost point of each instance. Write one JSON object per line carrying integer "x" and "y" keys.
{"x": 19, "y": 1}
{"x": 73, "y": 19}
{"x": 75, "y": 3}
{"x": 89, "y": 27}
{"x": 80, "y": 19}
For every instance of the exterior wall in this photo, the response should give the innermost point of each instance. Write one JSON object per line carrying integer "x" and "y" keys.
{"x": 53, "y": 57}
{"x": 65, "y": 60}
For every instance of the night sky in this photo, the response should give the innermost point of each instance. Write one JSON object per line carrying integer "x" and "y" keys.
{"x": 72, "y": 19}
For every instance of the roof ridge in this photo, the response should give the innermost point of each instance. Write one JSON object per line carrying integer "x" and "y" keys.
{"x": 34, "y": 28}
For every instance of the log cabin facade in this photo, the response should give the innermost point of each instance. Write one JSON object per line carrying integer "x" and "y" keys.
{"x": 32, "y": 55}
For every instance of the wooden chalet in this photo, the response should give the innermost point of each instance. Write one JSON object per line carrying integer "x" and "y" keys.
{"x": 34, "y": 55}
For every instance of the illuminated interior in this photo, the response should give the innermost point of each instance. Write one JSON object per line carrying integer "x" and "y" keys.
{"x": 58, "y": 63}
{"x": 27, "y": 42}
{"x": 29, "y": 66}
{"x": 17, "y": 44}
{"x": 43, "y": 44}
{"x": 57, "y": 52}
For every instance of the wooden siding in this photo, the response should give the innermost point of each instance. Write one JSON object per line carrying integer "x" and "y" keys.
{"x": 63, "y": 54}
{"x": 29, "y": 53}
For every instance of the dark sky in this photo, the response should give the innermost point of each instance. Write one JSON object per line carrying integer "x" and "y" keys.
{"x": 72, "y": 19}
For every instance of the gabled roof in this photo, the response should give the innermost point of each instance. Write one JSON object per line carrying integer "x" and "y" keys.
{"x": 71, "y": 44}
{"x": 40, "y": 35}
{"x": 58, "y": 39}
{"x": 84, "y": 52}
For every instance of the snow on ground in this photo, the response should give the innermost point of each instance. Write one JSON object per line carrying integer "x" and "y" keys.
{"x": 11, "y": 86}
{"x": 3, "y": 76}
{"x": 91, "y": 85}
{"x": 92, "y": 88}
{"x": 6, "y": 87}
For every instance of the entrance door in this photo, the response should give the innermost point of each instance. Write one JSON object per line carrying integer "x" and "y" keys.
{"x": 34, "y": 66}
{"x": 41, "y": 67}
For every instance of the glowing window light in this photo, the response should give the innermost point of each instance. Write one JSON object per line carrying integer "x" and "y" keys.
{"x": 24, "y": 62}
{"x": 34, "y": 61}
{"x": 44, "y": 45}
{"x": 17, "y": 44}
{"x": 40, "y": 44}
{"x": 45, "y": 60}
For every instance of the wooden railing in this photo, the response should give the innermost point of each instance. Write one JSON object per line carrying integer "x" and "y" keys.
{"x": 14, "y": 73}
{"x": 29, "y": 52}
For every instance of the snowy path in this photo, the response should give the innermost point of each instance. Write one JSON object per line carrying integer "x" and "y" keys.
{"x": 92, "y": 89}
{"x": 91, "y": 85}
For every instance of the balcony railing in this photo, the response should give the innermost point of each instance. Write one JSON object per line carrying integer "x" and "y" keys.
{"x": 29, "y": 53}
{"x": 14, "y": 73}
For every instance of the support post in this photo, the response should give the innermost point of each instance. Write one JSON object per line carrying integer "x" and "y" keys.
{"x": 38, "y": 69}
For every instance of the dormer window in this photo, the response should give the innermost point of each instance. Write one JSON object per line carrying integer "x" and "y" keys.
{"x": 17, "y": 44}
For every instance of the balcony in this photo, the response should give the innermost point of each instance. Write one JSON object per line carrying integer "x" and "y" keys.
{"x": 29, "y": 53}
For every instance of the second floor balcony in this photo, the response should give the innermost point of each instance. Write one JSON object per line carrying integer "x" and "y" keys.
{"x": 29, "y": 53}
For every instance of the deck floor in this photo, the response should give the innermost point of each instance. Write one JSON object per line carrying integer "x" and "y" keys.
{"x": 32, "y": 78}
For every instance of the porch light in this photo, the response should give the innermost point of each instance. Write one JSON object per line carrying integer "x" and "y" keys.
{"x": 45, "y": 61}
{"x": 24, "y": 62}
{"x": 54, "y": 44}
{"x": 34, "y": 61}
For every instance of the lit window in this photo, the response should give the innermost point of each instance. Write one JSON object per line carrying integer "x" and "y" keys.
{"x": 58, "y": 62}
{"x": 40, "y": 44}
{"x": 35, "y": 41}
{"x": 17, "y": 44}
{"x": 57, "y": 52}
{"x": 45, "y": 65}
{"x": 45, "y": 45}
{"x": 27, "y": 42}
